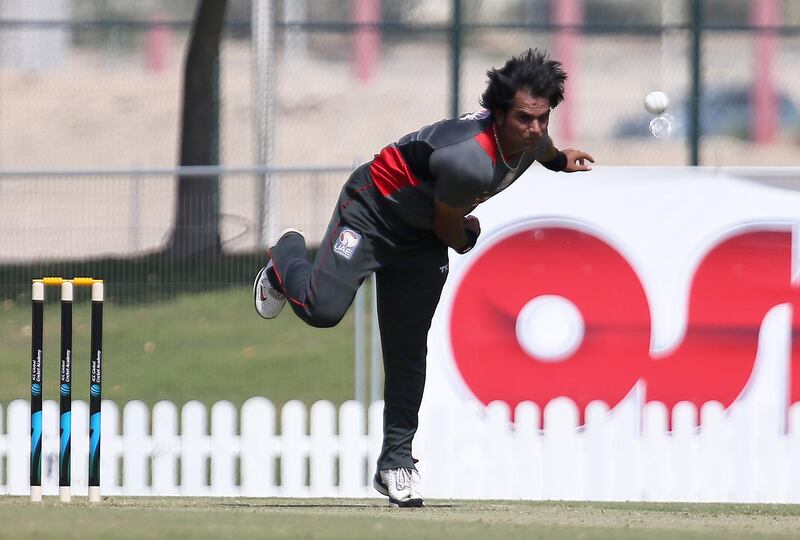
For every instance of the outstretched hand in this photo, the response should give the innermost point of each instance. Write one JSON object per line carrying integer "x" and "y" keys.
{"x": 576, "y": 160}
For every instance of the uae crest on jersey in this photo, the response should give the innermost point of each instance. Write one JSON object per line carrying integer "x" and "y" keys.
{"x": 346, "y": 243}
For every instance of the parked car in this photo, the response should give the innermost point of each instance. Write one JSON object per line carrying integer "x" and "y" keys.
{"x": 724, "y": 111}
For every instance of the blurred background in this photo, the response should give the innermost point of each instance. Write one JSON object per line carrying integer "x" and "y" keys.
{"x": 91, "y": 104}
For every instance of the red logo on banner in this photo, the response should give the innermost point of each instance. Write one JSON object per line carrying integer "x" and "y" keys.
{"x": 737, "y": 283}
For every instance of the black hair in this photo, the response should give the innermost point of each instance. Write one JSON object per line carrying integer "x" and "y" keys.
{"x": 534, "y": 71}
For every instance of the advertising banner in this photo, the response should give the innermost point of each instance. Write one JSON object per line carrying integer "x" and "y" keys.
{"x": 627, "y": 286}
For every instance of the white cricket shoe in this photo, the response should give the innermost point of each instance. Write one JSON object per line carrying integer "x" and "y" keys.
{"x": 400, "y": 485}
{"x": 267, "y": 300}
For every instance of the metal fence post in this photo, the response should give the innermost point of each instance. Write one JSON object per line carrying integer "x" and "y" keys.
{"x": 360, "y": 334}
{"x": 696, "y": 77}
{"x": 376, "y": 358}
{"x": 262, "y": 39}
{"x": 455, "y": 54}
{"x": 295, "y": 39}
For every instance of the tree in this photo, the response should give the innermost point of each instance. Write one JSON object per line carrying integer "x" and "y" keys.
{"x": 197, "y": 219}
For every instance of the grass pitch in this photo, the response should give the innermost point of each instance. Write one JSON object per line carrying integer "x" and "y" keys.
{"x": 200, "y": 518}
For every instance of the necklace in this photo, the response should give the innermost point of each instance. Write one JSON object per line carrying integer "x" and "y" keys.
{"x": 500, "y": 151}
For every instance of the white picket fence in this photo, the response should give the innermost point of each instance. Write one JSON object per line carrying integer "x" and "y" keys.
{"x": 466, "y": 452}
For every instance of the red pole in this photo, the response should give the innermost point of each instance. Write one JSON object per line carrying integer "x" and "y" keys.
{"x": 763, "y": 99}
{"x": 158, "y": 43}
{"x": 368, "y": 39}
{"x": 568, "y": 13}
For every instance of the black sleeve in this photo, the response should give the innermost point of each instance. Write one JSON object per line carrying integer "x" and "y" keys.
{"x": 463, "y": 174}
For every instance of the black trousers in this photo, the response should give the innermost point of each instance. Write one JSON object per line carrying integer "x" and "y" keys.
{"x": 364, "y": 236}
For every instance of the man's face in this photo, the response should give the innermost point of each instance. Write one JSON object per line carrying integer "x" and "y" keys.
{"x": 524, "y": 125}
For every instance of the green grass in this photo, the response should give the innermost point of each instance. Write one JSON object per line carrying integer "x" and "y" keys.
{"x": 177, "y": 518}
{"x": 206, "y": 347}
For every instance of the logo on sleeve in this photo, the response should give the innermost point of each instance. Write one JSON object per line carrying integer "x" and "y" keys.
{"x": 346, "y": 243}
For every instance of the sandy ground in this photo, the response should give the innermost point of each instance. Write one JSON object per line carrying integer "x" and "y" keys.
{"x": 104, "y": 110}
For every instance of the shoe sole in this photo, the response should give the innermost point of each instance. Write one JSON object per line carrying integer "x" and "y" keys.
{"x": 413, "y": 503}
{"x": 380, "y": 488}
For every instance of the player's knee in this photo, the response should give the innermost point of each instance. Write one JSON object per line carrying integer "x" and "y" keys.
{"x": 325, "y": 316}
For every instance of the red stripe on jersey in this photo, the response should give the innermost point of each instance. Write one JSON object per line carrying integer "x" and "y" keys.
{"x": 390, "y": 171}
{"x": 486, "y": 140}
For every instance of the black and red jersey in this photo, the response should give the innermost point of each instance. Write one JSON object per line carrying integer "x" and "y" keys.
{"x": 454, "y": 161}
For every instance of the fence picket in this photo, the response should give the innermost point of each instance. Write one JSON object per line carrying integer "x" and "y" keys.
{"x": 293, "y": 435}
{"x": 258, "y": 447}
{"x": 469, "y": 450}
{"x": 498, "y": 468}
{"x": 714, "y": 457}
{"x": 111, "y": 447}
{"x": 194, "y": 449}
{"x": 50, "y": 441}
{"x": 684, "y": 452}
{"x": 562, "y": 442}
{"x": 624, "y": 458}
{"x": 656, "y": 465}
{"x": 224, "y": 449}
{"x": 352, "y": 450}
{"x": 598, "y": 453}
{"x": 166, "y": 449}
{"x": 136, "y": 448}
{"x": 527, "y": 452}
{"x": 18, "y": 464}
{"x": 435, "y": 440}
{"x": 80, "y": 453}
{"x": 324, "y": 448}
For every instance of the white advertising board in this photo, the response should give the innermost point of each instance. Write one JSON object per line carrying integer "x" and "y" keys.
{"x": 626, "y": 286}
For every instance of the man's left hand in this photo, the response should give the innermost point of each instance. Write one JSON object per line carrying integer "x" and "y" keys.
{"x": 576, "y": 160}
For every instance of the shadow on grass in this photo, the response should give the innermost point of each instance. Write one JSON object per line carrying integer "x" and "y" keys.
{"x": 332, "y": 505}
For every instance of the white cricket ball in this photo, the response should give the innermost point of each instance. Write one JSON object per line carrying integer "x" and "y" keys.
{"x": 656, "y": 102}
